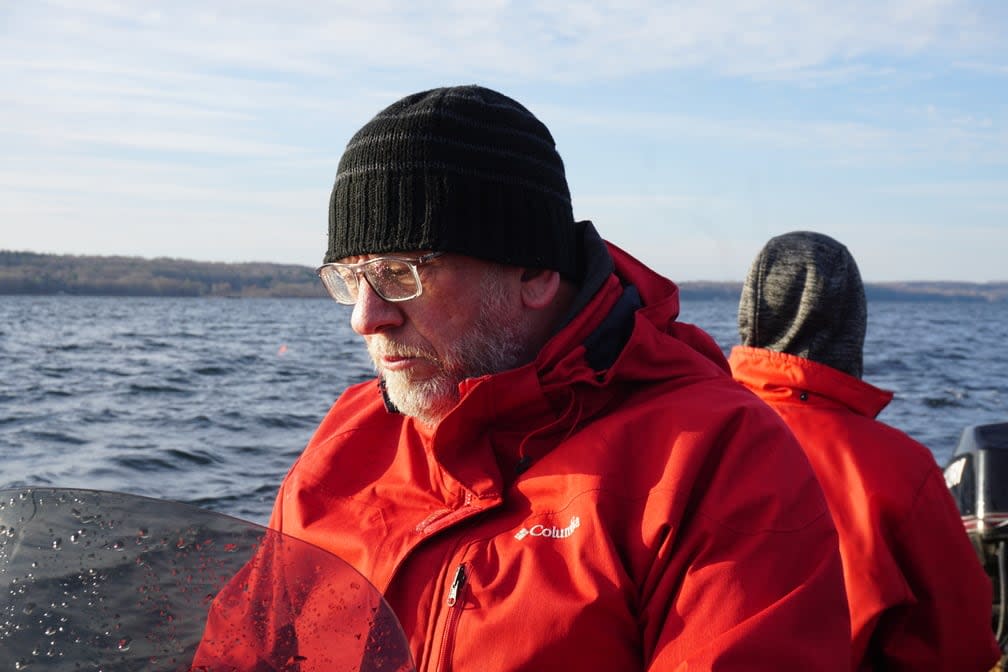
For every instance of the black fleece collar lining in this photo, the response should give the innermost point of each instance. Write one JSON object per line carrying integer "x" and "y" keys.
{"x": 604, "y": 345}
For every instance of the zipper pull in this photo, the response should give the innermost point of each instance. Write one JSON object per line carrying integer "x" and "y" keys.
{"x": 456, "y": 587}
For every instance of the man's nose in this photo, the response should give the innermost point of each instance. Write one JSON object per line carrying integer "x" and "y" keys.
{"x": 371, "y": 313}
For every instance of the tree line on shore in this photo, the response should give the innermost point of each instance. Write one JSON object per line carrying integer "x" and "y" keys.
{"x": 45, "y": 274}
{"x": 33, "y": 273}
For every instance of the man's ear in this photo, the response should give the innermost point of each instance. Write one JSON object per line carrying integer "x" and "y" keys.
{"x": 539, "y": 287}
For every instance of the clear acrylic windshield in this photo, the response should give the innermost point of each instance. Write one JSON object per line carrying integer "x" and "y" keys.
{"x": 108, "y": 581}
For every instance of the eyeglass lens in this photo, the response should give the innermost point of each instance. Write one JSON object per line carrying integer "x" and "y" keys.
{"x": 390, "y": 278}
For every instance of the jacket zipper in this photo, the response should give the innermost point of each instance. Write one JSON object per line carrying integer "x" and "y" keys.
{"x": 454, "y": 603}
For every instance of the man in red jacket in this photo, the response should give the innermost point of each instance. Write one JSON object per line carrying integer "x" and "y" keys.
{"x": 919, "y": 598}
{"x": 549, "y": 472}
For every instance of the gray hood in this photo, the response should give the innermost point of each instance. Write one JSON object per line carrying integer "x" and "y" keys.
{"x": 804, "y": 296}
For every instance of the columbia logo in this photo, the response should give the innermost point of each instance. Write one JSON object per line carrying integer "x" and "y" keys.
{"x": 551, "y": 532}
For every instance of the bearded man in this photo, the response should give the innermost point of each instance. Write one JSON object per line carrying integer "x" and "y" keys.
{"x": 549, "y": 471}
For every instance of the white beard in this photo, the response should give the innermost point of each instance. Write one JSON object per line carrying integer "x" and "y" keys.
{"x": 494, "y": 343}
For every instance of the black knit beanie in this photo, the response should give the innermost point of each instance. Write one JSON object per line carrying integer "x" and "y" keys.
{"x": 804, "y": 296}
{"x": 461, "y": 169}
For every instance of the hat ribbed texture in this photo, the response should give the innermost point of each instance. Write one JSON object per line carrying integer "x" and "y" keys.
{"x": 804, "y": 296}
{"x": 462, "y": 169}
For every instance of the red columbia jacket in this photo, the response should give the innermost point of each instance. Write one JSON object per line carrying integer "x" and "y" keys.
{"x": 618, "y": 504}
{"x": 919, "y": 598}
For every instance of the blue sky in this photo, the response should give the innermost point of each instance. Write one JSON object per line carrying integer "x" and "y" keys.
{"x": 691, "y": 131}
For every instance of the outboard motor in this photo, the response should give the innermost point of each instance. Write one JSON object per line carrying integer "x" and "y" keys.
{"x": 977, "y": 476}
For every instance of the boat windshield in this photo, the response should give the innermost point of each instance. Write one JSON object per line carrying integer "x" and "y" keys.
{"x": 112, "y": 581}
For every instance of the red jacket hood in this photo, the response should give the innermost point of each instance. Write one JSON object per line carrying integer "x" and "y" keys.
{"x": 642, "y": 307}
{"x": 630, "y": 325}
{"x": 779, "y": 375}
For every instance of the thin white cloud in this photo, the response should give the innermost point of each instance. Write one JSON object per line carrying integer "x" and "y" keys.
{"x": 884, "y": 136}
{"x": 949, "y": 189}
{"x": 24, "y": 189}
{"x": 544, "y": 41}
{"x": 228, "y": 114}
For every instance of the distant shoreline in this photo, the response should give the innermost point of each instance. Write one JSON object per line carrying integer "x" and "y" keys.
{"x": 30, "y": 273}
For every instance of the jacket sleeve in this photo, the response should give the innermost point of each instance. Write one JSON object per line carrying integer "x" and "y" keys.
{"x": 946, "y": 623}
{"x": 752, "y": 579}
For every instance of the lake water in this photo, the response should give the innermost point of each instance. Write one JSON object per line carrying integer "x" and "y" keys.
{"x": 209, "y": 401}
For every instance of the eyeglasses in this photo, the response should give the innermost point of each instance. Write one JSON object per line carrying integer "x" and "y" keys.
{"x": 392, "y": 278}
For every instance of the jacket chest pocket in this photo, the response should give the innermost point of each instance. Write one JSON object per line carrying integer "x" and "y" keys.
{"x": 537, "y": 597}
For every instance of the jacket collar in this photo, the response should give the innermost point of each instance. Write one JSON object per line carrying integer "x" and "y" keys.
{"x": 779, "y": 376}
{"x": 624, "y": 332}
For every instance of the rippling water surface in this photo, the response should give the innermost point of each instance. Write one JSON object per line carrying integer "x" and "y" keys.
{"x": 209, "y": 401}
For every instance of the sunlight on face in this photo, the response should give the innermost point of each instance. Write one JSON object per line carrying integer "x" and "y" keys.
{"x": 493, "y": 344}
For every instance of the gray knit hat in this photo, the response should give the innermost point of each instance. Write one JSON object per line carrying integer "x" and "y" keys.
{"x": 804, "y": 296}
{"x": 461, "y": 169}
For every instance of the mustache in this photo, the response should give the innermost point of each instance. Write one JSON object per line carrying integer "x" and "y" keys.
{"x": 391, "y": 349}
